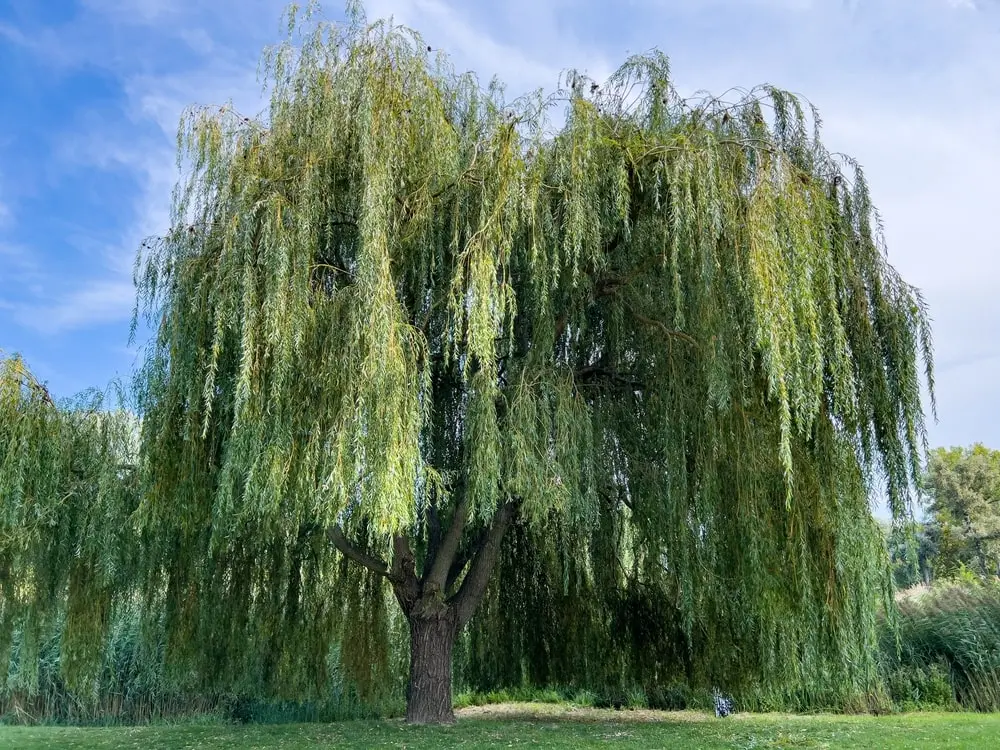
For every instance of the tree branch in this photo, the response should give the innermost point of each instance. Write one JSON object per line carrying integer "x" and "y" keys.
{"x": 348, "y": 550}
{"x": 402, "y": 557}
{"x": 462, "y": 559}
{"x": 31, "y": 381}
{"x": 403, "y": 574}
{"x": 591, "y": 372}
{"x": 433, "y": 530}
{"x": 445, "y": 553}
{"x": 662, "y": 326}
{"x": 474, "y": 585}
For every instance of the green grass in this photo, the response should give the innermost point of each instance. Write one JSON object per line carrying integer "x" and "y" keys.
{"x": 538, "y": 726}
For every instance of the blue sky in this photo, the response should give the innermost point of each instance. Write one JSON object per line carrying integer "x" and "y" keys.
{"x": 91, "y": 92}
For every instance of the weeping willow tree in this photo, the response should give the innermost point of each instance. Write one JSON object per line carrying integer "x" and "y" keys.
{"x": 68, "y": 489}
{"x": 399, "y": 313}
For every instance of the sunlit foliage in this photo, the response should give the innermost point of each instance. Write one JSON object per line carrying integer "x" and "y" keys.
{"x": 661, "y": 333}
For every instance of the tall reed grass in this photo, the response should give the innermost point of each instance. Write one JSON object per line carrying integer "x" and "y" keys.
{"x": 948, "y": 647}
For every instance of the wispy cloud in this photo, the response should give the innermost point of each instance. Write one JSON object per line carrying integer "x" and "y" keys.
{"x": 17, "y": 264}
{"x": 100, "y": 301}
{"x": 135, "y": 138}
{"x": 533, "y": 59}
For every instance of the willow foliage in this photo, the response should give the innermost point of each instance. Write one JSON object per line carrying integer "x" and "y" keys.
{"x": 663, "y": 331}
{"x": 67, "y": 492}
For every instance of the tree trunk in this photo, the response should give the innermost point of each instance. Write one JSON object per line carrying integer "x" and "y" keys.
{"x": 428, "y": 697}
{"x": 435, "y": 621}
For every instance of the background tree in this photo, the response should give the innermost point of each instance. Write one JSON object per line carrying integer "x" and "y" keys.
{"x": 399, "y": 314}
{"x": 912, "y": 552}
{"x": 962, "y": 491}
{"x": 67, "y": 493}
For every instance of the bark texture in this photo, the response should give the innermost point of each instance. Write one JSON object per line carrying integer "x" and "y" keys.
{"x": 429, "y": 699}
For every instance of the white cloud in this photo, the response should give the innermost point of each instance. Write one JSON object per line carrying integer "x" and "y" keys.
{"x": 199, "y": 40}
{"x": 100, "y": 301}
{"x": 13, "y": 34}
{"x": 522, "y": 66}
{"x": 123, "y": 141}
{"x": 19, "y": 271}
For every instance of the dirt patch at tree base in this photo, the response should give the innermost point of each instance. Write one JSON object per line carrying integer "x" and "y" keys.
{"x": 558, "y": 712}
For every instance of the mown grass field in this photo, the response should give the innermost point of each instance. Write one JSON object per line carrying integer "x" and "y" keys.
{"x": 541, "y": 726}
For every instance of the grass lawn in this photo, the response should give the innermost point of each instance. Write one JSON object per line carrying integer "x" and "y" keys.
{"x": 544, "y": 726}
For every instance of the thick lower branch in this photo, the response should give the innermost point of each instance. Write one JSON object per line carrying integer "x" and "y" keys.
{"x": 433, "y": 529}
{"x": 474, "y": 585}
{"x": 444, "y": 555}
{"x": 463, "y": 558}
{"x": 403, "y": 574}
{"x": 348, "y": 550}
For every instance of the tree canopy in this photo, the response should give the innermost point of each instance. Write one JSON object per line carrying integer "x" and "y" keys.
{"x": 961, "y": 487}
{"x": 400, "y": 313}
{"x": 67, "y": 493}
